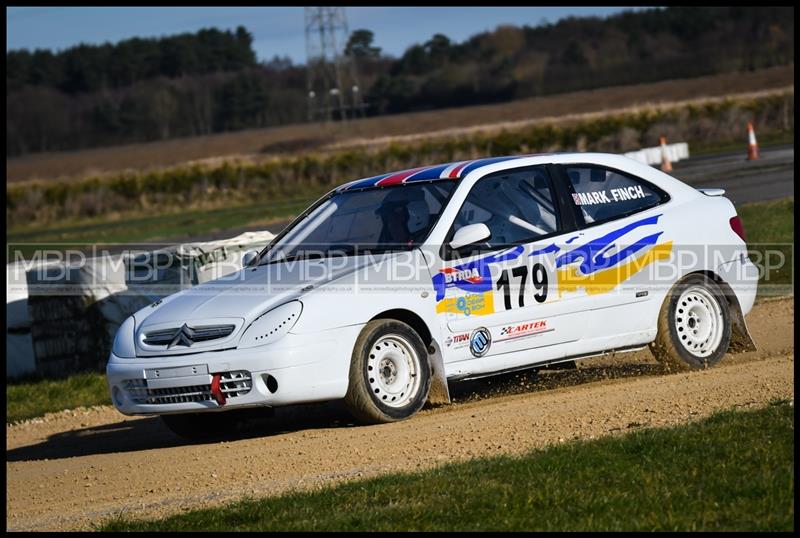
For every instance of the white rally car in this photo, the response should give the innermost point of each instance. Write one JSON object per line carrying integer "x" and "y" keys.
{"x": 391, "y": 286}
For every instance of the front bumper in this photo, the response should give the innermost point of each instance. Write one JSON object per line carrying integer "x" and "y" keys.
{"x": 305, "y": 368}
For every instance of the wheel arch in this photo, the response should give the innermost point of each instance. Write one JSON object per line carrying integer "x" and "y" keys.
{"x": 439, "y": 393}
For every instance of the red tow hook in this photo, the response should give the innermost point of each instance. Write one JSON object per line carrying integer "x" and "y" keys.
{"x": 216, "y": 390}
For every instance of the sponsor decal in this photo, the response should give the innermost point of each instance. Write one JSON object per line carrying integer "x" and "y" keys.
{"x": 521, "y": 330}
{"x": 619, "y": 194}
{"x": 477, "y": 304}
{"x": 480, "y": 341}
{"x": 475, "y": 276}
{"x": 457, "y": 340}
{"x": 453, "y": 275}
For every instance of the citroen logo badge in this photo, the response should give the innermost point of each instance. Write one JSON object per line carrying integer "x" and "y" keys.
{"x": 182, "y": 337}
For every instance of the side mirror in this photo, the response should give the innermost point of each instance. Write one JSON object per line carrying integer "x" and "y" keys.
{"x": 248, "y": 257}
{"x": 470, "y": 234}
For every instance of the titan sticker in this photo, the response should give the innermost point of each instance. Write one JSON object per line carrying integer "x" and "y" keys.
{"x": 457, "y": 340}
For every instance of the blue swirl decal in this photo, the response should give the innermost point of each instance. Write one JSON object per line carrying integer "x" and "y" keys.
{"x": 552, "y": 247}
{"x": 592, "y": 253}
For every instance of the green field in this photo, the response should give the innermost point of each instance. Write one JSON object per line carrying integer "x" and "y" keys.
{"x": 769, "y": 227}
{"x": 163, "y": 227}
{"x": 712, "y": 147}
{"x": 766, "y": 223}
{"x": 29, "y": 399}
{"x": 733, "y": 471}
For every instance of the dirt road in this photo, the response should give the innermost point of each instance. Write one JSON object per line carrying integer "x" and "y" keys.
{"x": 75, "y": 468}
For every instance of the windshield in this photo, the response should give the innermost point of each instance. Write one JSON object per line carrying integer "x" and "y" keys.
{"x": 374, "y": 220}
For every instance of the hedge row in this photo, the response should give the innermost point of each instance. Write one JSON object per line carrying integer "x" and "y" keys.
{"x": 233, "y": 182}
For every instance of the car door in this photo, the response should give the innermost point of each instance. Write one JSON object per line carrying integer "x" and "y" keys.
{"x": 497, "y": 298}
{"x": 607, "y": 266}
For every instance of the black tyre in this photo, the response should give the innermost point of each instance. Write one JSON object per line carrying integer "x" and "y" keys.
{"x": 390, "y": 373}
{"x": 694, "y": 325}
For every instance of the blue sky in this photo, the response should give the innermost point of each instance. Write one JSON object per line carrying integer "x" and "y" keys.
{"x": 276, "y": 30}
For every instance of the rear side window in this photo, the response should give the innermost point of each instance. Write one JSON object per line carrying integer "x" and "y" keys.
{"x": 602, "y": 194}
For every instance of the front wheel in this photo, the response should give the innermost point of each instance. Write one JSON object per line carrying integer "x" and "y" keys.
{"x": 390, "y": 373}
{"x": 694, "y": 325}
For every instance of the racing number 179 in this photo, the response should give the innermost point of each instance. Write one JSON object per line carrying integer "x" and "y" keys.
{"x": 539, "y": 278}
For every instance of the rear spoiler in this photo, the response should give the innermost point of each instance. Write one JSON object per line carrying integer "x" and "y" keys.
{"x": 712, "y": 192}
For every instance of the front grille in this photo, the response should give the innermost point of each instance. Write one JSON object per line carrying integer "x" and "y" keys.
{"x": 232, "y": 384}
{"x": 165, "y": 337}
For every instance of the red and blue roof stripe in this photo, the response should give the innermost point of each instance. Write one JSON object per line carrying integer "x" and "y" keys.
{"x": 454, "y": 170}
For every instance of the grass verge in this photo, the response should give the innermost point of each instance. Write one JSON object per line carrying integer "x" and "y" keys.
{"x": 713, "y": 147}
{"x": 34, "y": 398}
{"x": 769, "y": 227}
{"x": 732, "y": 471}
{"x": 163, "y": 226}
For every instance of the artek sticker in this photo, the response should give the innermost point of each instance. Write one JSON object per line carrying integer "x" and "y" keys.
{"x": 520, "y": 330}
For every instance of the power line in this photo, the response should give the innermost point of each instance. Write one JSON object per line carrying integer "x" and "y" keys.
{"x": 331, "y": 75}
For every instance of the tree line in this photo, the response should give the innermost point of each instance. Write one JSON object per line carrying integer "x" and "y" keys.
{"x": 92, "y": 68}
{"x": 208, "y": 82}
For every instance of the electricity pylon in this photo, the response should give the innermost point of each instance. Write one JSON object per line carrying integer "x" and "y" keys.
{"x": 331, "y": 75}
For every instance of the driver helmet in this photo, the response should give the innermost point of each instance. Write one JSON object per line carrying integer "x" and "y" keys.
{"x": 410, "y": 204}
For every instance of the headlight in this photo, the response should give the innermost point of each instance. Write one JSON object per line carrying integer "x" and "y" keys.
{"x": 272, "y": 325}
{"x": 123, "y": 341}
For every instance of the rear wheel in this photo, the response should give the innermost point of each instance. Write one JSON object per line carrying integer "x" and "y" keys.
{"x": 390, "y": 373}
{"x": 694, "y": 325}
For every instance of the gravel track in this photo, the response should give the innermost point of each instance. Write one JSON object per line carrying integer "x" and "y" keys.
{"x": 70, "y": 470}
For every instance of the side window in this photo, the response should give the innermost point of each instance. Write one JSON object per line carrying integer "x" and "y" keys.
{"x": 518, "y": 206}
{"x": 603, "y": 194}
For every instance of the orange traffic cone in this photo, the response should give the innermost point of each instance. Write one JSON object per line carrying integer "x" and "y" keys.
{"x": 666, "y": 166}
{"x": 752, "y": 145}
